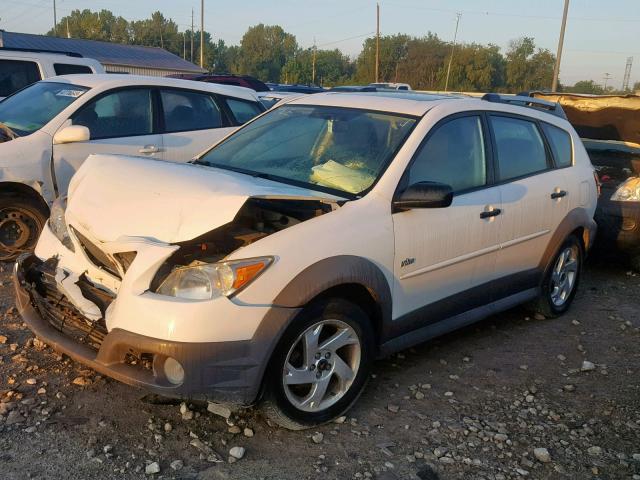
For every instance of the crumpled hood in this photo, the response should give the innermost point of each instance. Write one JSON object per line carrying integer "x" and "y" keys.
{"x": 113, "y": 196}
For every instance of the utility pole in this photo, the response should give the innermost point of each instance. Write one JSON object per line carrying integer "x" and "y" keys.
{"x": 313, "y": 63}
{"x": 453, "y": 46}
{"x": 607, "y": 77}
{"x": 192, "y": 35}
{"x": 184, "y": 46}
{"x": 556, "y": 68}
{"x": 55, "y": 20}
{"x": 377, "y": 41}
{"x": 627, "y": 75}
{"x": 68, "y": 33}
{"x": 201, "y": 33}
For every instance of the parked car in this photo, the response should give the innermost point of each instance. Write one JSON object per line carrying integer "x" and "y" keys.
{"x": 283, "y": 87}
{"x": 20, "y": 68}
{"x": 333, "y": 229}
{"x": 609, "y": 126}
{"x": 246, "y": 81}
{"x": 354, "y": 88}
{"x": 48, "y": 129}
{"x": 391, "y": 86}
{"x": 271, "y": 98}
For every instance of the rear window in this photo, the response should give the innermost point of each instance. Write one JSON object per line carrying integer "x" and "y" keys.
{"x": 70, "y": 69}
{"x": 560, "y": 142}
{"x": 17, "y": 74}
{"x": 242, "y": 110}
{"x": 520, "y": 148}
{"x": 184, "y": 111}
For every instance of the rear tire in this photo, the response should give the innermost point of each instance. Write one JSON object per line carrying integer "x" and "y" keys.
{"x": 320, "y": 366}
{"x": 21, "y": 221}
{"x": 561, "y": 280}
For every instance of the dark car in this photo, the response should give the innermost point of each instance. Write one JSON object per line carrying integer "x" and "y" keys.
{"x": 354, "y": 88}
{"x": 282, "y": 87}
{"x": 609, "y": 126}
{"x": 246, "y": 81}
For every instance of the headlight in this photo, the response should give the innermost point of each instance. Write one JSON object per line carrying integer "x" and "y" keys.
{"x": 211, "y": 280}
{"x": 57, "y": 224}
{"x": 629, "y": 191}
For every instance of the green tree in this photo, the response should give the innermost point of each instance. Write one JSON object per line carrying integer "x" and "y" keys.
{"x": 636, "y": 87}
{"x": 526, "y": 68}
{"x": 423, "y": 62}
{"x": 102, "y": 25}
{"x": 476, "y": 68}
{"x": 585, "y": 86}
{"x": 332, "y": 68}
{"x": 264, "y": 50}
{"x": 393, "y": 49}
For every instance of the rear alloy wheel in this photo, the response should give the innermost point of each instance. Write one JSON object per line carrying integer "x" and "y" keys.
{"x": 320, "y": 367}
{"x": 561, "y": 280}
{"x": 21, "y": 221}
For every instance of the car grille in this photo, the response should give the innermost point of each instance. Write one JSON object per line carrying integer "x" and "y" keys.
{"x": 96, "y": 255}
{"x": 62, "y": 315}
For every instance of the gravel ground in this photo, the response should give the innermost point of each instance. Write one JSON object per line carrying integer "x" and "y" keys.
{"x": 511, "y": 397}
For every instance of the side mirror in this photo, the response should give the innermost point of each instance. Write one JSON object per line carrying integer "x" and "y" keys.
{"x": 423, "y": 195}
{"x": 72, "y": 134}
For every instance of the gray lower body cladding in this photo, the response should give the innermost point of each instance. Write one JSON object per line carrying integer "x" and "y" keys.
{"x": 224, "y": 372}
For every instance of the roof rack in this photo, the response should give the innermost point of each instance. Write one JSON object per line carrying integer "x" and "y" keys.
{"x": 550, "y": 107}
{"x": 41, "y": 50}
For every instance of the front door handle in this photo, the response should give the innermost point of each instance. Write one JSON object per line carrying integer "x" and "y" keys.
{"x": 149, "y": 149}
{"x": 558, "y": 194}
{"x": 490, "y": 213}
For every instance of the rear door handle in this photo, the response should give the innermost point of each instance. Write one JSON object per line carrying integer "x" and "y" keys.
{"x": 490, "y": 213}
{"x": 149, "y": 149}
{"x": 558, "y": 194}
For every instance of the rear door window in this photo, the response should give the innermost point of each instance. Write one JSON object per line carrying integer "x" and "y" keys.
{"x": 70, "y": 69}
{"x": 123, "y": 113}
{"x": 185, "y": 111}
{"x": 519, "y": 147}
{"x": 17, "y": 74}
{"x": 243, "y": 110}
{"x": 560, "y": 143}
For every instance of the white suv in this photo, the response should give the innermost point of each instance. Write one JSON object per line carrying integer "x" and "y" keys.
{"x": 327, "y": 232}
{"x": 49, "y": 128}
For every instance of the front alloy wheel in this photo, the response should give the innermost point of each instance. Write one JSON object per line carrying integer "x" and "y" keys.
{"x": 320, "y": 365}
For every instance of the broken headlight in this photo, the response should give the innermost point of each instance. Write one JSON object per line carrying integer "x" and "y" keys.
{"x": 628, "y": 191}
{"x": 57, "y": 225}
{"x": 206, "y": 281}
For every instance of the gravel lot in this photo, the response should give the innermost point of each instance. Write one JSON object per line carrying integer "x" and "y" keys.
{"x": 511, "y": 397}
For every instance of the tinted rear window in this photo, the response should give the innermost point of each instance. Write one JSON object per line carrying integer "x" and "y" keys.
{"x": 520, "y": 148}
{"x": 70, "y": 69}
{"x": 243, "y": 111}
{"x": 17, "y": 74}
{"x": 560, "y": 142}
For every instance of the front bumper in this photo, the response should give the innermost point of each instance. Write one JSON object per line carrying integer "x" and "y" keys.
{"x": 618, "y": 224}
{"x": 227, "y": 372}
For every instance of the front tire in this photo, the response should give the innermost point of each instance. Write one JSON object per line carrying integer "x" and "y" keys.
{"x": 561, "y": 279}
{"x": 320, "y": 366}
{"x": 21, "y": 221}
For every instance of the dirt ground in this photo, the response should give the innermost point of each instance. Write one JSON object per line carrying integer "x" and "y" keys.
{"x": 481, "y": 403}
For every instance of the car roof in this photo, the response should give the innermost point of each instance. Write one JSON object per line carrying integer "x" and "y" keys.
{"x": 53, "y": 57}
{"x": 109, "y": 80}
{"x": 403, "y": 102}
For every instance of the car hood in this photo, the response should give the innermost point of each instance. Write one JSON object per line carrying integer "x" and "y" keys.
{"x": 113, "y": 196}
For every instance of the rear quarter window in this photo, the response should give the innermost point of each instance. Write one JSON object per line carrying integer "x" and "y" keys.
{"x": 70, "y": 69}
{"x": 243, "y": 110}
{"x": 560, "y": 143}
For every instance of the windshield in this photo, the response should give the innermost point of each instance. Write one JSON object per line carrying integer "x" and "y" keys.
{"x": 326, "y": 148}
{"x": 33, "y": 107}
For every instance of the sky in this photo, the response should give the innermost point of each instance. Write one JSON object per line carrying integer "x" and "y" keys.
{"x": 600, "y": 35}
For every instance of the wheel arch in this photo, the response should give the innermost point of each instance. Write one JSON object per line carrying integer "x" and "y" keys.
{"x": 23, "y": 190}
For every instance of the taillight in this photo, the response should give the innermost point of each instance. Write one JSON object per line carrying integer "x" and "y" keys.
{"x": 598, "y": 183}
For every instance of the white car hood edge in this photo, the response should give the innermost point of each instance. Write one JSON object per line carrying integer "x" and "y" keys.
{"x": 115, "y": 195}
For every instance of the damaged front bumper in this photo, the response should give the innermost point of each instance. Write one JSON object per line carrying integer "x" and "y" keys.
{"x": 227, "y": 372}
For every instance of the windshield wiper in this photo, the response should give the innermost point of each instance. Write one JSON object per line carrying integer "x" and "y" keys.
{"x": 10, "y": 134}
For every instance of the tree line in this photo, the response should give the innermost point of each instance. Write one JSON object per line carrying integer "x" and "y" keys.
{"x": 270, "y": 53}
